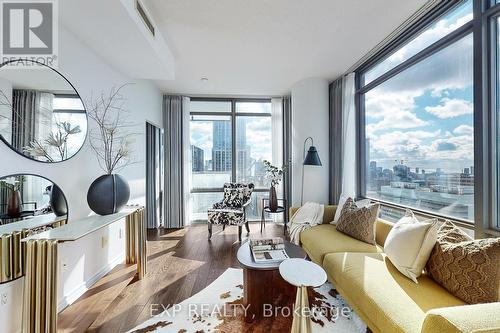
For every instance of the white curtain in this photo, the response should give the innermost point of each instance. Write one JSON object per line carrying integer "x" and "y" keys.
{"x": 277, "y": 143}
{"x": 277, "y": 130}
{"x": 349, "y": 184}
{"x": 187, "y": 156}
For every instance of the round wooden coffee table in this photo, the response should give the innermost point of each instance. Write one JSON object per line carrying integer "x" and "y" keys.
{"x": 262, "y": 283}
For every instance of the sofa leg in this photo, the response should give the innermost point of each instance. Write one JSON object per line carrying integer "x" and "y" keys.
{"x": 247, "y": 227}
{"x": 223, "y": 227}
{"x": 239, "y": 232}
{"x": 209, "y": 231}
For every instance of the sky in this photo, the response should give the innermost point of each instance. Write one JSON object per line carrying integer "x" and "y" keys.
{"x": 424, "y": 115}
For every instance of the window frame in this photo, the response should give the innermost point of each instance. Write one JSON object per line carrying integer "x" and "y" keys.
{"x": 68, "y": 96}
{"x": 468, "y": 28}
{"x": 488, "y": 33}
{"x": 233, "y": 116}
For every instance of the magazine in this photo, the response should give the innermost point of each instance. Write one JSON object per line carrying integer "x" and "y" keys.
{"x": 268, "y": 250}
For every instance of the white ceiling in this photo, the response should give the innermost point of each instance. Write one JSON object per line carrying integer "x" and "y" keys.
{"x": 243, "y": 47}
{"x": 113, "y": 29}
{"x": 262, "y": 47}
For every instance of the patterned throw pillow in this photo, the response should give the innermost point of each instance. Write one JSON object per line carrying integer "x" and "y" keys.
{"x": 233, "y": 197}
{"x": 468, "y": 269}
{"x": 358, "y": 222}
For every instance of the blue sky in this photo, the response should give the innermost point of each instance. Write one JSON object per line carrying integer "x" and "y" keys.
{"x": 424, "y": 115}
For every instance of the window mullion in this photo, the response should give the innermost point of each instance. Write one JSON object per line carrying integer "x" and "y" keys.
{"x": 233, "y": 141}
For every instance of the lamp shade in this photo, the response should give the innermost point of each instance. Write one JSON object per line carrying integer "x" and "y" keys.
{"x": 312, "y": 157}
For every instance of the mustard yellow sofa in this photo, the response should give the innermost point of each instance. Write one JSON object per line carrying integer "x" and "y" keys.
{"x": 385, "y": 299}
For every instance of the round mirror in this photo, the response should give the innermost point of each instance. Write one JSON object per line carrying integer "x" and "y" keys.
{"x": 41, "y": 114}
{"x": 24, "y": 197}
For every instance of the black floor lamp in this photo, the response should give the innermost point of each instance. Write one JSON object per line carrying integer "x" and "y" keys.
{"x": 311, "y": 158}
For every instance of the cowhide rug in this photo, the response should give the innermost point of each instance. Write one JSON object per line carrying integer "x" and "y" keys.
{"x": 219, "y": 308}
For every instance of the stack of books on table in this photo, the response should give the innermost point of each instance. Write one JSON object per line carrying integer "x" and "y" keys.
{"x": 268, "y": 250}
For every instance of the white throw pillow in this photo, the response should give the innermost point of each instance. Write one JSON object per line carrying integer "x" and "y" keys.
{"x": 409, "y": 244}
{"x": 342, "y": 200}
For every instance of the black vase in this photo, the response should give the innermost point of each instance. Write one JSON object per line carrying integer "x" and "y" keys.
{"x": 273, "y": 199}
{"x": 108, "y": 194}
{"x": 58, "y": 201}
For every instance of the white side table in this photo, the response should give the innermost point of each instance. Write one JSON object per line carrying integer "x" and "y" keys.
{"x": 302, "y": 274}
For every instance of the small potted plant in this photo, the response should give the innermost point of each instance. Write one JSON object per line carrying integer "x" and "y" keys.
{"x": 274, "y": 174}
{"x": 14, "y": 201}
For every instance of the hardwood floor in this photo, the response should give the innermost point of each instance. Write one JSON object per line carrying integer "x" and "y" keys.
{"x": 180, "y": 264}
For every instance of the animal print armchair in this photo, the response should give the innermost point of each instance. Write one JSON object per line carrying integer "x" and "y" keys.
{"x": 232, "y": 209}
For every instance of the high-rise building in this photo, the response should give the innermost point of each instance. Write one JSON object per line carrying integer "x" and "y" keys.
{"x": 197, "y": 159}
{"x": 243, "y": 164}
{"x": 222, "y": 148}
{"x": 221, "y": 151}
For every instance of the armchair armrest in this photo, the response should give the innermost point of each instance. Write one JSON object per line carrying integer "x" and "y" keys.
{"x": 463, "y": 319}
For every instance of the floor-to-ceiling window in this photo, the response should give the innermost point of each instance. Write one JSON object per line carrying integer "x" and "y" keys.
{"x": 230, "y": 138}
{"x": 417, "y": 121}
{"x": 429, "y": 117}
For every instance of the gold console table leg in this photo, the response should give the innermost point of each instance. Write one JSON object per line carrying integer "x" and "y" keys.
{"x": 40, "y": 287}
{"x": 135, "y": 241}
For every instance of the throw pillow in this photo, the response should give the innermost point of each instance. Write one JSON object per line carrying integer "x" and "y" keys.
{"x": 409, "y": 244}
{"x": 233, "y": 197}
{"x": 358, "y": 222}
{"x": 342, "y": 200}
{"x": 468, "y": 269}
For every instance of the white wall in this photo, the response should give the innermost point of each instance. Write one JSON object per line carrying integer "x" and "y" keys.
{"x": 310, "y": 118}
{"x": 90, "y": 75}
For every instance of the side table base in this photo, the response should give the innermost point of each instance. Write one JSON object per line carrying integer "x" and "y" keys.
{"x": 264, "y": 288}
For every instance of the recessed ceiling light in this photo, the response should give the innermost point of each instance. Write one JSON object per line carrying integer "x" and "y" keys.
{"x": 204, "y": 79}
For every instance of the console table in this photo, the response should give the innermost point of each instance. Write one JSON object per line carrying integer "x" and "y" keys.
{"x": 12, "y": 253}
{"x": 40, "y": 283}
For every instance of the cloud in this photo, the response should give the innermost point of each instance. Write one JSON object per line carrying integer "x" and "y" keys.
{"x": 450, "y": 108}
{"x": 401, "y": 145}
{"x": 443, "y": 146}
{"x": 464, "y": 130}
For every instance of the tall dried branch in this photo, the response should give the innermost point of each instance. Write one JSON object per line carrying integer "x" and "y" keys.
{"x": 111, "y": 140}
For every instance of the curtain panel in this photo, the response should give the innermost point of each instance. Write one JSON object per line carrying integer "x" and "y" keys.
{"x": 342, "y": 151}
{"x": 174, "y": 127}
{"x": 287, "y": 151}
{"x": 31, "y": 116}
{"x": 336, "y": 143}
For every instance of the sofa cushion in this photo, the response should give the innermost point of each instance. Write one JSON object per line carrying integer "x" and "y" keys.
{"x": 358, "y": 222}
{"x": 383, "y": 296}
{"x": 409, "y": 244}
{"x": 469, "y": 269}
{"x": 323, "y": 239}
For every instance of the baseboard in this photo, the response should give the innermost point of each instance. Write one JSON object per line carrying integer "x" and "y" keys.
{"x": 71, "y": 297}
